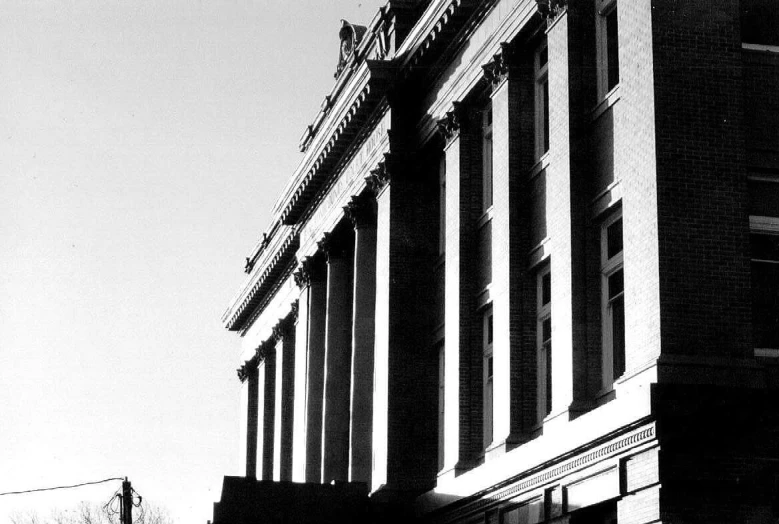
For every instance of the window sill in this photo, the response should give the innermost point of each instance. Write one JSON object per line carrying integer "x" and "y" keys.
{"x": 485, "y": 217}
{"x": 539, "y": 253}
{"x": 760, "y": 47}
{"x": 609, "y": 99}
{"x": 541, "y": 164}
{"x": 484, "y": 297}
{"x": 607, "y": 199}
{"x": 767, "y": 353}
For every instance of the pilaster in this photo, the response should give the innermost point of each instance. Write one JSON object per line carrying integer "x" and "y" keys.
{"x": 509, "y": 254}
{"x": 360, "y": 211}
{"x": 266, "y": 354}
{"x": 458, "y": 435}
{"x": 284, "y": 337}
{"x": 313, "y": 275}
{"x": 338, "y": 345}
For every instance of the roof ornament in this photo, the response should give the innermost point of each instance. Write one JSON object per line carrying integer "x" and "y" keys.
{"x": 350, "y": 37}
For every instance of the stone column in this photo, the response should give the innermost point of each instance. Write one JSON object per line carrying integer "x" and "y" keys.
{"x": 267, "y": 355}
{"x": 313, "y": 274}
{"x": 459, "y": 440}
{"x": 248, "y": 375}
{"x": 284, "y": 335}
{"x": 362, "y": 215}
{"x": 508, "y": 256}
{"x": 566, "y": 219}
{"x": 405, "y": 369}
{"x": 301, "y": 383}
{"x": 338, "y": 349}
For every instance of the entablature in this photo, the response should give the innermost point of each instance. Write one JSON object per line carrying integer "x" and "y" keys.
{"x": 367, "y": 87}
{"x": 487, "y": 37}
{"x": 272, "y": 262}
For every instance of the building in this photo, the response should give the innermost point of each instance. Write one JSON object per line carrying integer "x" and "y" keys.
{"x": 527, "y": 271}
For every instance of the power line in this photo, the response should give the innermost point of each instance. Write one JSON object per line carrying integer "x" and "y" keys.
{"x": 61, "y": 487}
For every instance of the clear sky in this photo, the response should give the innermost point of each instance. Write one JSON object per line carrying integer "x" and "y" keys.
{"x": 142, "y": 146}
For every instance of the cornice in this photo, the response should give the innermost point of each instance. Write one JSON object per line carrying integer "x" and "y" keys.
{"x": 343, "y": 124}
{"x": 269, "y": 268}
{"x": 438, "y": 22}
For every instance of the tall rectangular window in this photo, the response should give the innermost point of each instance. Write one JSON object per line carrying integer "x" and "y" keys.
{"x": 487, "y": 337}
{"x": 607, "y": 34}
{"x": 765, "y": 292}
{"x": 486, "y": 173}
{"x": 541, "y": 63}
{"x": 544, "y": 341}
{"x": 612, "y": 300}
{"x": 441, "y": 403}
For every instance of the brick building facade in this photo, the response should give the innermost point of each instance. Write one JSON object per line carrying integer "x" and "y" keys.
{"x": 527, "y": 271}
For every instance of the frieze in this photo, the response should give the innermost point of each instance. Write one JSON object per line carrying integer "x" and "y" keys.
{"x": 350, "y": 181}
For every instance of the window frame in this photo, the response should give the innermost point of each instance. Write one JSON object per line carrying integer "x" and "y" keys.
{"x": 543, "y": 344}
{"x": 763, "y": 226}
{"x": 610, "y": 266}
{"x": 487, "y": 158}
{"x": 541, "y": 101}
{"x": 488, "y": 369}
{"x": 603, "y": 9}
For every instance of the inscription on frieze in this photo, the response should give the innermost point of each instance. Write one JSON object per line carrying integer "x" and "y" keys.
{"x": 341, "y": 190}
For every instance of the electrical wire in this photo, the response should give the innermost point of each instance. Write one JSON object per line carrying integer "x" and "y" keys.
{"x": 60, "y": 487}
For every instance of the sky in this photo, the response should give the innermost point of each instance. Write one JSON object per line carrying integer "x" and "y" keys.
{"x": 142, "y": 146}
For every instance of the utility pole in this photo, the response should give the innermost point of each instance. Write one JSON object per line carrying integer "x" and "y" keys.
{"x": 126, "y": 514}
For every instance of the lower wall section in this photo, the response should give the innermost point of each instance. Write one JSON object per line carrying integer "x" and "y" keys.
{"x": 612, "y": 476}
{"x": 247, "y": 501}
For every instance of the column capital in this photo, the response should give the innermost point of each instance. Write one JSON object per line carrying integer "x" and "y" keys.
{"x": 307, "y": 272}
{"x": 496, "y": 71}
{"x": 360, "y": 211}
{"x": 247, "y": 368}
{"x": 265, "y": 349}
{"x": 379, "y": 178}
{"x": 450, "y": 124}
{"x": 294, "y": 311}
{"x": 332, "y": 247}
{"x": 551, "y": 9}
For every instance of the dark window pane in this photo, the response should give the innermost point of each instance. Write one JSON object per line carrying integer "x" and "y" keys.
{"x": 760, "y": 22}
{"x": 765, "y": 304}
{"x": 612, "y": 48}
{"x": 489, "y": 331}
{"x": 614, "y": 239}
{"x": 546, "y": 289}
{"x": 546, "y": 116}
{"x": 548, "y": 377}
{"x": 616, "y": 284}
{"x": 543, "y": 57}
{"x": 546, "y": 330}
{"x": 618, "y": 335}
{"x": 765, "y": 247}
